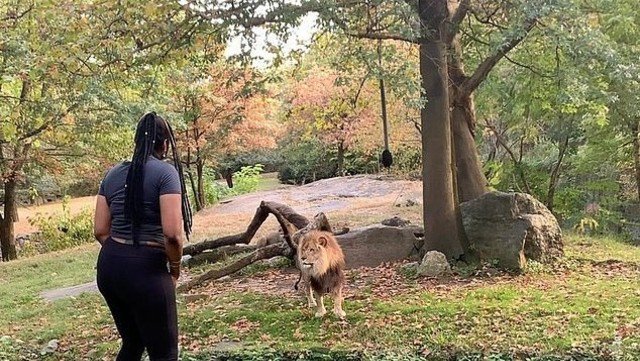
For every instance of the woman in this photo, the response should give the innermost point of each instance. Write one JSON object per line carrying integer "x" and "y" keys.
{"x": 141, "y": 213}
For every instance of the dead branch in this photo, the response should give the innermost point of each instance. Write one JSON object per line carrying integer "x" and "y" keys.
{"x": 277, "y": 209}
{"x": 281, "y": 249}
{"x": 219, "y": 254}
{"x": 320, "y": 222}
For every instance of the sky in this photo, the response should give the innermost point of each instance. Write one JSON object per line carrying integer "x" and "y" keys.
{"x": 300, "y": 39}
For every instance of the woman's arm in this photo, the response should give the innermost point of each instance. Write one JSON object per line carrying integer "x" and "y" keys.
{"x": 172, "y": 227}
{"x": 102, "y": 220}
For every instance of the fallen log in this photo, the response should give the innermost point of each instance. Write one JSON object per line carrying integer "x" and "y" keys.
{"x": 291, "y": 223}
{"x": 219, "y": 254}
{"x": 282, "y": 213}
{"x": 281, "y": 249}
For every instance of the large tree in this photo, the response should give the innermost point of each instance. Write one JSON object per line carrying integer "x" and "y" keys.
{"x": 452, "y": 171}
{"x": 60, "y": 59}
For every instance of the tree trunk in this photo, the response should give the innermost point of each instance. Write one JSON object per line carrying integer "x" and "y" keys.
{"x": 340, "y": 159}
{"x": 200, "y": 178}
{"x": 194, "y": 189}
{"x": 555, "y": 174}
{"x": 636, "y": 154}
{"x": 441, "y": 227}
{"x": 7, "y": 236}
{"x": 471, "y": 181}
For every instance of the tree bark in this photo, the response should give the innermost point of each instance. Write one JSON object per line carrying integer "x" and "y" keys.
{"x": 441, "y": 227}
{"x": 555, "y": 174}
{"x": 7, "y": 236}
{"x": 635, "y": 128}
{"x": 471, "y": 181}
{"x": 200, "y": 180}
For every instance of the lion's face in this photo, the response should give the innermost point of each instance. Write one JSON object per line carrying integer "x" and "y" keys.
{"x": 312, "y": 255}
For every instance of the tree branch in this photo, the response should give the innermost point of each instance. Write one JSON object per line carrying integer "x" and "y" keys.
{"x": 517, "y": 163}
{"x": 456, "y": 19}
{"x": 381, "y": 36}
{"x": 17, "y": 16}
{"x": 485, "y": 67}
{"x": 280, "y": 249}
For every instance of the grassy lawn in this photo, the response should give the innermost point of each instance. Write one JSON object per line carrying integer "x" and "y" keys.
{"x": 588, "y": 304}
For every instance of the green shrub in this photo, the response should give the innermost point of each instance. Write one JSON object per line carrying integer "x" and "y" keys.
{"x": 269, "y": 158}
{"x": 245, "y": 180}
{"x": 407, "y": 161}
{"x": 61, "y": 231}
{"x": 311, "y": 160}
{"x": 305, "y": 162}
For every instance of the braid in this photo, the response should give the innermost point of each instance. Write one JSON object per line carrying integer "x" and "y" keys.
{"x": 145, "y": 140}
{"x": 147, "y": 134}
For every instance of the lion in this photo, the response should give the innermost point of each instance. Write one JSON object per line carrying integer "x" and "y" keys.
{"x": 321, "y": 263}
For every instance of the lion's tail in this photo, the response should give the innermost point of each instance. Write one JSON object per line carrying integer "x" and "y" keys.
{"x": 298, "y": 282}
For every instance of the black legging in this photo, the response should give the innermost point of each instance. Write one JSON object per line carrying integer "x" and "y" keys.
{"x": 140, "y": 293}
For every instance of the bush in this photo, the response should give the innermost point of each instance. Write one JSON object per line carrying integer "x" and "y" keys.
{"x": 60, "y": 231}
{"x": 269, "y": 159}
{"x": 245, "y": 180}
{"x": 407, "y": 161}
{"x": 312, "y": 160}
{"x": 305, "y": 162}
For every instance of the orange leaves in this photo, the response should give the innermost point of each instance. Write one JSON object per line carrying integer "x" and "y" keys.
{"x": 333, "y": 108}
{"x": 225, "y": 112}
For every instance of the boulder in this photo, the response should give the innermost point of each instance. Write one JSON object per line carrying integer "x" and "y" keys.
{"x": 434, "y": 264}
{"x": 396, "y": 221}
{"x": 373, "y": 245}
{"x": 407, "y": 201}
{"x": 510, "y": 228}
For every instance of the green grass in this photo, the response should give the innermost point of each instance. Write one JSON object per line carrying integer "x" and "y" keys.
{"x": 601, "y": 248}
{"x": 580, "y": 305}
{"x": 268, "y": 182}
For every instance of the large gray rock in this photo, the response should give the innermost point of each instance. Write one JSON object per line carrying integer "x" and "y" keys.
{"x": 511, "y": 228}
{"x": 373, "y": 245}
{"x": 434, "y": 264}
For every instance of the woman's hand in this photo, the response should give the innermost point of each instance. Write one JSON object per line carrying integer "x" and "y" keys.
{"x": 174, "y": 271}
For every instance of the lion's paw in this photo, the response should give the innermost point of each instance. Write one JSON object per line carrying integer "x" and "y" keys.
{"x": 340, "y": 313}
{"x": 321, "y": 313}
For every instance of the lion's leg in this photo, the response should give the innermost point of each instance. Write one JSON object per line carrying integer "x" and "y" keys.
{"x": 337, "y": 304}
{"x": 309, "y": 293}
{"x": 320, "y": 310}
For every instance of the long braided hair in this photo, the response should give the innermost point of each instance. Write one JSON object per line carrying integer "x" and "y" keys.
{"x": 152, "y": 133}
